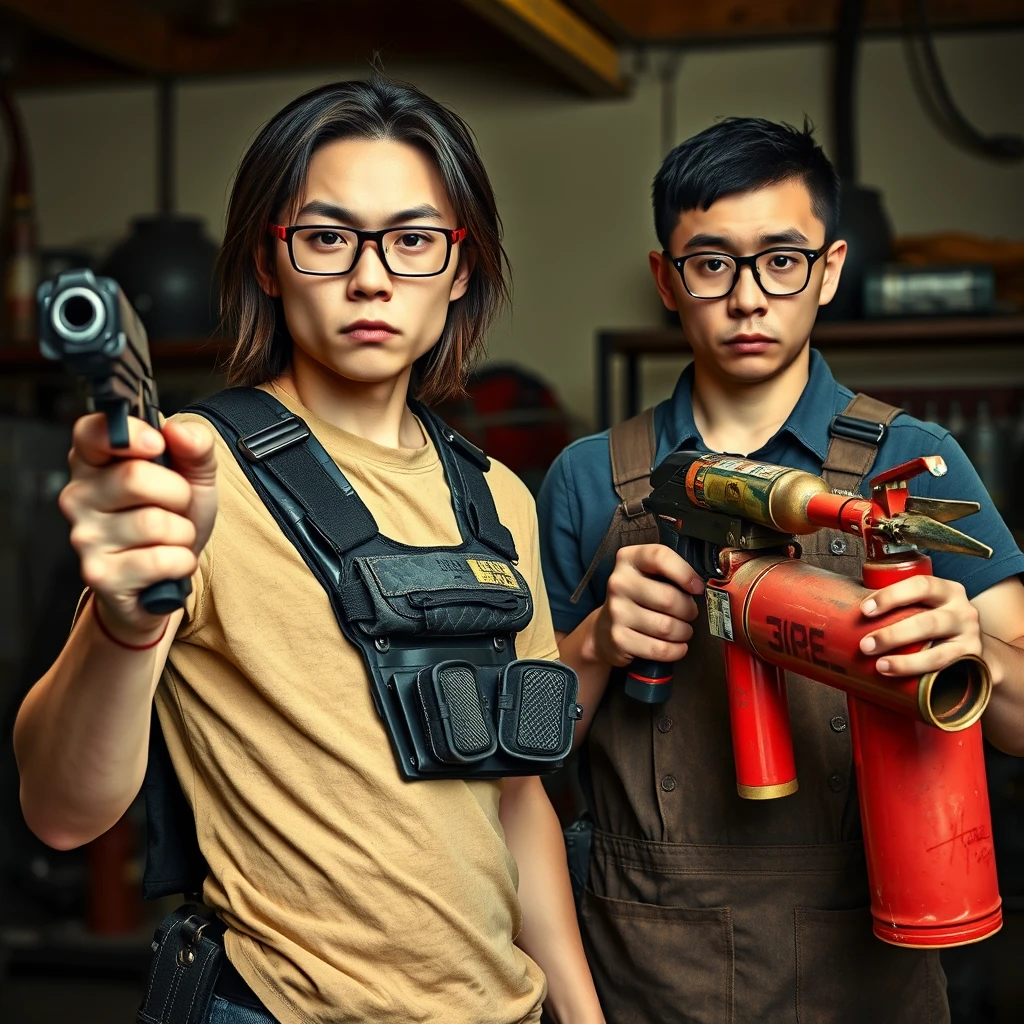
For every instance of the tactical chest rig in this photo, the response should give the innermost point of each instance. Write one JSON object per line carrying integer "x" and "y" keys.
{"x": 436, "y": 626}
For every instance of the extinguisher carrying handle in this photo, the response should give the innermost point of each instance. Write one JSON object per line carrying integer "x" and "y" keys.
{"x": 649, "y": 682}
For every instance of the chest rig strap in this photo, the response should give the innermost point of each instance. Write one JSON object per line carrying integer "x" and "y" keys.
{"x": 436, "y": 626}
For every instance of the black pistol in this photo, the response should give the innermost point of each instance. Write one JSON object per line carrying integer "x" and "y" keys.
{"x": 87, "y": 323}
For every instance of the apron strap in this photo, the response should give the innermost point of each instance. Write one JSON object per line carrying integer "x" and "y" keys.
{"x": 855, "y": 434}
{"x": 632, "y": 447}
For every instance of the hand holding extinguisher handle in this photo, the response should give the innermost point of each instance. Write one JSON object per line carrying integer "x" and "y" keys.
{"x": 649, "y": 682}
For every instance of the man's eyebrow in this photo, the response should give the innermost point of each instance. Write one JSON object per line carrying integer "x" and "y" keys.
{"x": 783, "y": 237}
{"x": 703, "y": 240}
{"x": 318, "y": 208}
{"x": 789, "y": 236}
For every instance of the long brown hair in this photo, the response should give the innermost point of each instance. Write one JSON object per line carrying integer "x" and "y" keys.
{"x": 270, "y": 178}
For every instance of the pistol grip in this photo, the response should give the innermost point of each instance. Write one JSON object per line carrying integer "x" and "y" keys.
{"x": 166, "y": 596}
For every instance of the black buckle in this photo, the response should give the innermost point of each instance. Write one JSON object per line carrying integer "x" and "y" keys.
{"x": 854, "y": 429}
{"x": 467, "y": 448}
{"x": 274, "y": 438}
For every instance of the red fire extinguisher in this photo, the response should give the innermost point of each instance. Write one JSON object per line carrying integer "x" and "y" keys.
{"x": 916, "y": 741}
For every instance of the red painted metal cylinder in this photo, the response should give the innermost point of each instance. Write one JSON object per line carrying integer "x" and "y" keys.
{"x": 925, "y": 811}
{"x": 761, "y": 739}
{"x": 808, "y": 620}
{"x": 927, "y": 829}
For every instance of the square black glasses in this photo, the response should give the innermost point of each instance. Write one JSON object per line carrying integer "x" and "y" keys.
{"x": 781, "y": 270}
{"x": 329, "y": 250}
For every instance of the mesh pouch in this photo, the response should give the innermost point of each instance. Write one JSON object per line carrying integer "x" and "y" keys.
{"x": 537, "y": 710}
{"x": 456, "y": 715}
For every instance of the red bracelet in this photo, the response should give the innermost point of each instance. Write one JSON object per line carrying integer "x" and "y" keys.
{"x": 120, "y": 643}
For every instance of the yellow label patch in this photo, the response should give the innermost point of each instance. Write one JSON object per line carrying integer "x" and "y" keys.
{"x": 495, "y": 573}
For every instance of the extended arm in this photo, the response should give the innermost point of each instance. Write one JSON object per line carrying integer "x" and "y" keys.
{"x": 550, "y": 934}
{"x": 82, "y": 733}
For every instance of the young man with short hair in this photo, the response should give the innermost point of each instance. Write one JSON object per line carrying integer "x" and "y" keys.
{"x": 702, "y": 906}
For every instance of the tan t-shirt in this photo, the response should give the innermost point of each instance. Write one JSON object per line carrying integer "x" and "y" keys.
{"x": 350, "y": 895}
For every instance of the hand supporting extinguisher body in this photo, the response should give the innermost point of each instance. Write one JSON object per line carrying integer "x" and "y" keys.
{"x": 808, "y": 620}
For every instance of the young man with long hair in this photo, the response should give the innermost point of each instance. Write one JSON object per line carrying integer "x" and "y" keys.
{"x": 361, "y": 268}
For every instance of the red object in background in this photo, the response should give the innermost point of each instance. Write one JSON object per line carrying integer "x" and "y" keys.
{"x": 20, "y": 254}
{"x": 514, "y": 417}
{"x": 114, "y": 900}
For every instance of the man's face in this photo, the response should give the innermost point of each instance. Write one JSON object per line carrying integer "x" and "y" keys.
{"x": 368, "y": 325}
{"x": 748, "y": 336}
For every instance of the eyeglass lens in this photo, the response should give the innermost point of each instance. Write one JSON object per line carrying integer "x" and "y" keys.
{"x": 413, "y": 252}
{"x": 711, "y": 275}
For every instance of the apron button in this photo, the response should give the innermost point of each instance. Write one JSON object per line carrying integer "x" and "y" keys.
{"x": 835, "y": 783}
{"x": 837, "y": 724}
{"x": 668, "y": 783}
{"x": 664, "y": 724}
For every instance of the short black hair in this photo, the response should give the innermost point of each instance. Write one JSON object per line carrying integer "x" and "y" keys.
{"x": 742, "y": 154}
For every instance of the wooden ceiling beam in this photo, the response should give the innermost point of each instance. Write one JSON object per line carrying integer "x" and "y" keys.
{"x": 122, "y": 34}
{"x": 688, "y": 21}
{"x": 561, "y": 38}
{"x": 119, "y": 30}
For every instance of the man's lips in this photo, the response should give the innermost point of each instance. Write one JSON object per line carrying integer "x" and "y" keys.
{"x": 370, "y": 330}
{"x": 749, "y": 344}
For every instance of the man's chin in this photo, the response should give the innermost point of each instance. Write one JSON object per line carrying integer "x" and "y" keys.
{"x": 740, "y": 364}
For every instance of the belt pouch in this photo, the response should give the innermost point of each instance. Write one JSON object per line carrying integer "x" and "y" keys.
{"x": 455, "y": 713}
{"x": 187, "y": 958}
{"x": 537, "y": 707}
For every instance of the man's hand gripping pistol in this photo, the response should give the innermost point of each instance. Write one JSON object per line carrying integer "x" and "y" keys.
{"x": 87, "y": 323}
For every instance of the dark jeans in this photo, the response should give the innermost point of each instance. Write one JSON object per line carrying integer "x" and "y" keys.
{"x": 223, "y": 1012}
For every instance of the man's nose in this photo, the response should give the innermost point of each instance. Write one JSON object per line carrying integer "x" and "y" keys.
{"x": 369, "y": 276}
{"x": 747, "y": 296}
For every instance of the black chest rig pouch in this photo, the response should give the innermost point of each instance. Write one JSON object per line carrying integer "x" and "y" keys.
{"x": 436, "y": 626}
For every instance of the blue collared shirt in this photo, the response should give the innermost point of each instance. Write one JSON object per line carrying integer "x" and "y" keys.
{"x": 577, "y": 499}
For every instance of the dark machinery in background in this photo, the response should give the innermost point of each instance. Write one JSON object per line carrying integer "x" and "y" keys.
{"x": 166, "y": 265}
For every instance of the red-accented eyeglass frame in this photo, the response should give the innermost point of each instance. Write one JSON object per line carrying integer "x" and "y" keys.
{"x": 285, "y": 232}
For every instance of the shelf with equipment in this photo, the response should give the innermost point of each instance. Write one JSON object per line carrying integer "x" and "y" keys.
{"x": 632, "y": 345}
{"x": 186, "y": 354}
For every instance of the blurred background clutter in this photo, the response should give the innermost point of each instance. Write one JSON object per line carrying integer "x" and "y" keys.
{"x": 122, "y": 122}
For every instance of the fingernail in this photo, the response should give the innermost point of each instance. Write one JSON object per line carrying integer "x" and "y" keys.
{"x": 867, "y": 645}
{"x": 869, "y": 607}
{"x": 882, "y": 665}
{"x": 151, "y": 441}
{"x": 697, "y": 587}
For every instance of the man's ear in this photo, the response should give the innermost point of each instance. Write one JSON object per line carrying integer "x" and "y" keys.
{"x": 266, "y": 275}
{"x": 834, "y": 260}
{"x": 463, "y": 272}
{"x": 663, "y": 271}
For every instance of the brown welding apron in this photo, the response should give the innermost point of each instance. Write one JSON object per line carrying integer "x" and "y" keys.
{"x": 706, "y": 908}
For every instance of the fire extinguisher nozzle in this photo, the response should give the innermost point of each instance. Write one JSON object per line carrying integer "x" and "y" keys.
{"x": 954, "y": 698}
